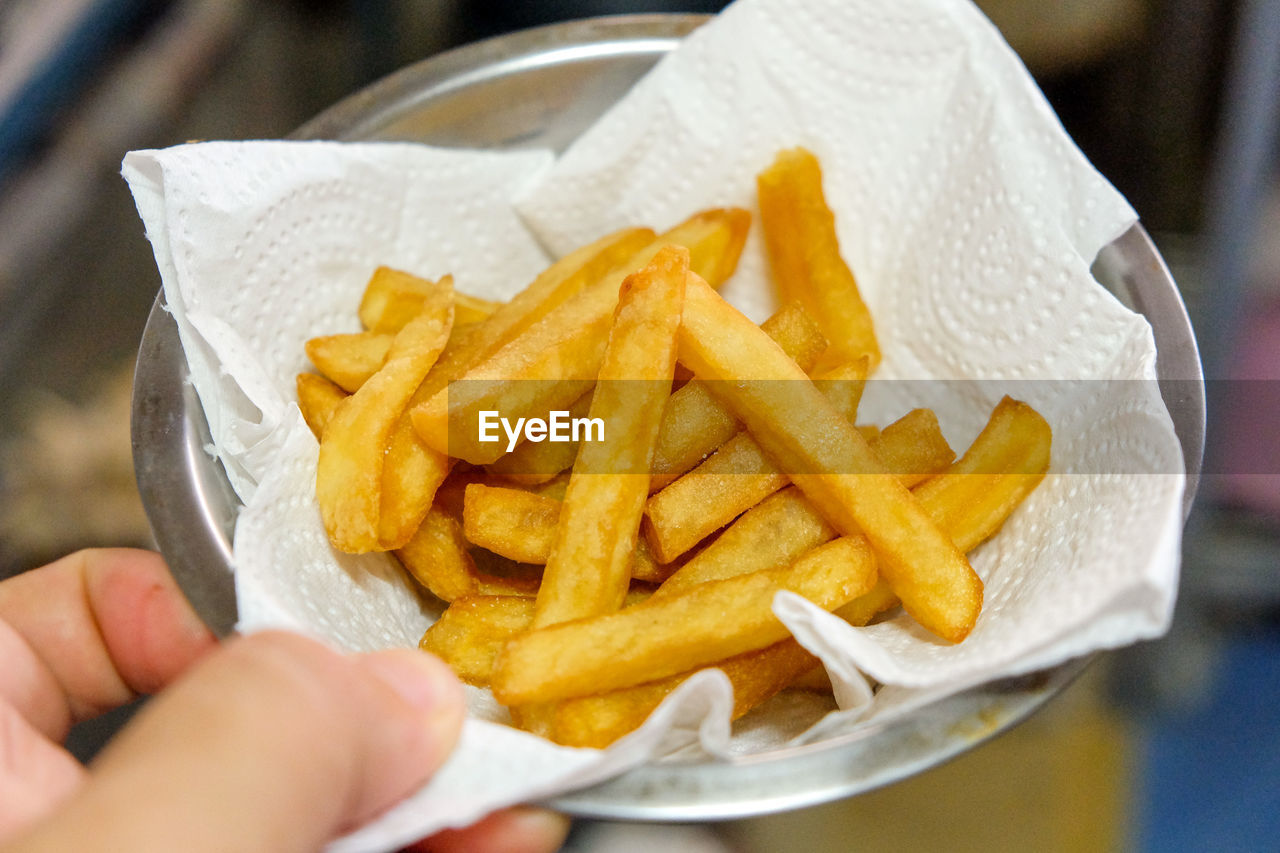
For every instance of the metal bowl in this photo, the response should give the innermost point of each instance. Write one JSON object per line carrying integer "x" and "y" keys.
{"x": 540, "y": 89}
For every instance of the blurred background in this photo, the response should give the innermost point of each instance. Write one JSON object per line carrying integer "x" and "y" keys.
{"x": 1172, "y": 745}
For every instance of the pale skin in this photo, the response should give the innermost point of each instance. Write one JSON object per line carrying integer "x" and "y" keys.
{"x": 267, "y": 742}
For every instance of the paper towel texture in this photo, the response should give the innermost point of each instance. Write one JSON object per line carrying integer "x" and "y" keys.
{"x": 968, "y": 216}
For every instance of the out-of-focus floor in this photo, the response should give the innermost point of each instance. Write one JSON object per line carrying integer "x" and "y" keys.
{"x": 1173, "y": 746}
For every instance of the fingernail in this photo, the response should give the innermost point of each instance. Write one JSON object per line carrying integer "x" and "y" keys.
{"x": 422, "y": 680}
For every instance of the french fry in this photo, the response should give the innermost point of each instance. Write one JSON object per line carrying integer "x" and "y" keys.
{"x": 913, "y": 447}
{"x": 348, "y": 360}
{"x": 739, "y": 475}
{"x": 1004, "y": 464}
{"x": 468, "y": 309}
{"x": 771, "y": 534}
{"x": 413, "y": 471}
{"x": 734, "y": 478}
{"x": 695, "y": 423}
{"x": 662, "y": 637}
{"x": 577, "y": 271}
{"x": 553, "y": 488}
{"x": 588, "y": 569}
{"x": 830, "y": 462}
{"x": 354, "y": 444}
{"x": 521, "y": 526}
{"x": 969, "y": 501}
{"x": 598, "y": 720}
{"x": 554, "y": 361}
{"x": 393, "y": 297}
{"x": 437, "y": 557}
{"x": 318, "y": 398}
{"x": 843, "y": 383}
{"x": 535, "y": 462}
{"x": 804, "y": 253}
{"x": 516, "y": 524}
{"x": 867, "y": 606}
{"x": 472, "y": 631}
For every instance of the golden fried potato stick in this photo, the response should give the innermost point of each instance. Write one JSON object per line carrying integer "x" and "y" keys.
{"x": 707, "y": 623}
{"x": 735, "y": 477}
{"x": 843, "y": 383}
{"x": 513, "y": 523}
{"x": 535, "y": 462}
{"x": 554, "y": 361}
{"x": 695, "y": 423}
{"x": 866, "y": 607}
{"x": 393, "y": 297}
{"x": 598, "y": 720}
{"x": 1004, "y": 464}
{"x": 581, "y": 269}
{"x": 472, "y": 631}
{"x": 521, "y": 526}
{"x": 413, "y": 471}
{"x": 804, "y": 253}
{"x": 468, "y": 309}
{"x": 349, "y": 359}
{"x": 354, "y": 444}
{"x": 771, "y": 534}
{"x": 588, "y": 569}
{"x": 969, "y": 501}
{"x": 830, "y": 461}
{"x": 913, "y": 447}
{"x": 318, "y": 398}
{"x": 553, "y": 488}
{"x": 739, "y": 475}
{"x": 437, "y": 558}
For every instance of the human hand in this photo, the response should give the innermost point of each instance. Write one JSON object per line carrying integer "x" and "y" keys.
{"x": 271, "y": 742}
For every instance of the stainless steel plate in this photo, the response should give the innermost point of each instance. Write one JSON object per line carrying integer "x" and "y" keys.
{"x": 541, "y": 88}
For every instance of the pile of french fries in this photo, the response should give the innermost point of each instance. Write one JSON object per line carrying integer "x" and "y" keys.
{"x": 586, "y": 579}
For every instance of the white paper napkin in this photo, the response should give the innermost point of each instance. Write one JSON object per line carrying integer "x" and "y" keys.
{"x": 969, "y": 217}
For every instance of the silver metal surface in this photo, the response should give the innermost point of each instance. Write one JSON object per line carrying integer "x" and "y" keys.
{"x": 541, "y": 88}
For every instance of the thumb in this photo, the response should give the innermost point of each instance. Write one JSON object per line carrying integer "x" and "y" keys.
{"x": 274, "y": 742}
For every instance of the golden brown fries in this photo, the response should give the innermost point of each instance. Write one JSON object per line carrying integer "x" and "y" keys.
{"x": 469, "y": 309}
{"x": 834, "y": 466}
{"x": 739, "y": 475}
{"x": 521, "y": 526}
{"x": 586, "y": 577}
{"x": 438, "y": 558}
{"x": 662, "y": 637}
{"x": 472, "y": 631}
{"x": 771, "y": 534}
{"x": 353, "y": 447}
{"x": 393, "y": 297}
{"x": 413, "y": 471}
{"x": 598, "y": 720}
{"x": 588, "y": 570}
{"x": 535, "y": 462}
{"x": 318, "y": 398}
{"x": 348, "y": 360}
{"x": 554, "y": 361}
{"x": 804, "y": 251}
{"x": 695, "y": 423}
{"x": 1002, "y": 466}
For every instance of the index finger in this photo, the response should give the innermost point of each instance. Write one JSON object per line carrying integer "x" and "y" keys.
{"x": 94, "y": 630}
